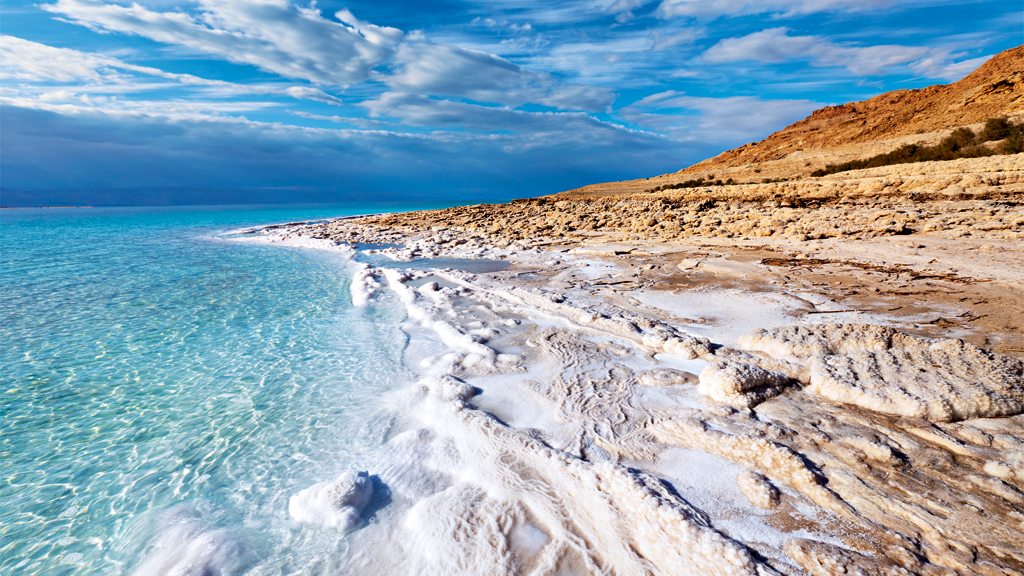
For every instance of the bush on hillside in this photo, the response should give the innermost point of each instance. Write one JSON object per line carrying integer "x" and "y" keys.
{"x": 961, "y": 143}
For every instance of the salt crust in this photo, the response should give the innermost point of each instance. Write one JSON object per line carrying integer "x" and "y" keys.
{"x": 665, "y": 377}
{"x": 823, "y": 339}
{"x": 1010, "y": 468}
{"x": 758, "y": 490}
{"x": 770, "y": 458}
{"x": 598, "y": 517}
{"x": 364, "y": 285}
{"x": 950, "y": 380}
{"x": 943, "y": 528}
{"x": 650, "y": 333}
{"x": 337, "y": 504}
{"x": 740, "y": 384}
{"x": 880, "y": 369}
{"x": 821, "y": 559}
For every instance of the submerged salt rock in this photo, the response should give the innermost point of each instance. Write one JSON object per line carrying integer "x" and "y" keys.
{"x": 951, "y": 380}
{"x": 740, "y": 384}
{"x": 822, "y": 339}
{"x": 336, "y": 504}
{"x": 758, "y": 490}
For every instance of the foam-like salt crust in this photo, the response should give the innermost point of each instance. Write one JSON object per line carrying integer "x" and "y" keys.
{"x": 950, "y": 380}
{"x": 740, "y": 384}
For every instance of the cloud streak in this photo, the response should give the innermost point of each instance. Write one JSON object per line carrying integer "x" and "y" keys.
{"x": 24, "y": 60}
{"x": 273, "y": 35}
{"x": 775, "y": 45}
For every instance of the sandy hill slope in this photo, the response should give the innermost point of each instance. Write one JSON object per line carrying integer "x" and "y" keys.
{"x": 856, "y": 130}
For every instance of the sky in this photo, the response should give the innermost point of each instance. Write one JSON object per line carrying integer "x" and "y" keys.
{"x": 235, "y": 101}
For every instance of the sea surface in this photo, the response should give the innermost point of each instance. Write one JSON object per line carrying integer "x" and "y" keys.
{"x": 165, "y": 391}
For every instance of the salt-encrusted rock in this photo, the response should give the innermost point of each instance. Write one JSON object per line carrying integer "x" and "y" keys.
{"x": 337, "y": 504}
{"x": 758, "y": 490}
{"x": 822, "y": 339}
{"x": 740, "y": 384}
{"x": 950, "y": 380}
{"x": 820, "y": 559}
{"x": 449, "y": 388}
{"x": 1009, "y": 468}
{"x": 687, "y": 347}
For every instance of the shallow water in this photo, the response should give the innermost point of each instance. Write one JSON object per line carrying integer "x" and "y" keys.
{"x": 163, "y": 387}
{"x": 472, "y": 265}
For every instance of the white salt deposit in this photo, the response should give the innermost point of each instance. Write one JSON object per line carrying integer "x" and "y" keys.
{"x": 950, "y": 380}
{"x": 822, "y": 339}
{"x": 758, "y": 490}
{"x": 337, "y": 504}
{"x": 1009, "y": 468}
{"x": 820, "y": 559}
{"x": 476, "y": 495}
{"x": 740, "y": 384}
{"x": 594, "y": 516}
{"x": 364, "y": 284}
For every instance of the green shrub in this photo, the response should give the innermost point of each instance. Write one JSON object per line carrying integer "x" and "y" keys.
{"x": 961, "y": 143}
{"x": 995, "y": 129}
{"x": 1014, "y": 143}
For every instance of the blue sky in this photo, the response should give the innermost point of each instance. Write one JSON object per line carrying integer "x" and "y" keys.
{"x": 443, "y": 99}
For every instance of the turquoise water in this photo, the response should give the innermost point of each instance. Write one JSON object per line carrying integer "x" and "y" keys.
{"x": 160, "y": 383}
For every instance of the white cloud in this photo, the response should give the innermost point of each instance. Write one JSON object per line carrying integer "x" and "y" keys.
{"x": 939, "y": 66}
{"x": 728, "y": 121}
{"x": 687, "y": 36}
{"x": 271, "y": 34}
{"x": 34, "y": 62}
{"x": 416, "y": 110}
{"x": 715, "y": 8}
{"x": 774, "y": 45}
{"x": 100, "y": 74}
{"x": 441, "y": 69}
{"x": 301, "y": 43}
{"x": 310, "y": 93}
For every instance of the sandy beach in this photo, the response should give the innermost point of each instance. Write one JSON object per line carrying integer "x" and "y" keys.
{"x": 737, "y": 383}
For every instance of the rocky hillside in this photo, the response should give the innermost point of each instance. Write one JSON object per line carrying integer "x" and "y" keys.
{"x": 836, "y": 134}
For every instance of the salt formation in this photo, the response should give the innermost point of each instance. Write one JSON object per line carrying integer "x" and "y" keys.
{"x": 948, "y": 381}
{"x": 666, "y": 377}
{"x": 820, "y": 559}
{"x": 902, "y": 495}
{"x": 474, "y": 354}
{"x": 337, "y": 504}
{"x": 1010, "y": 468}
{"x": 758, "y": 490}
{"x": 740, "y": 384}
{"x": 363, "y": 286}
{"x": 644, "y": 331}
{"x": 586, "y": 517}
{"x": 774, "y": 460}
{"x": 822, "y": 339}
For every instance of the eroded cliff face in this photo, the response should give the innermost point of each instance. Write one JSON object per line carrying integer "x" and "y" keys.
{"x": 857, "y": 130}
